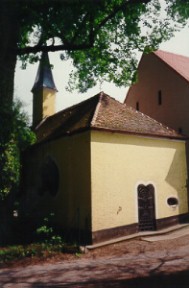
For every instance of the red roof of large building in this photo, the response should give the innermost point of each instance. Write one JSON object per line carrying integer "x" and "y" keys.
{"x": 104, "y": 113}
{"x": 178, "y": 62}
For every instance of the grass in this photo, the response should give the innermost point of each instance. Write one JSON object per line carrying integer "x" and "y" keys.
{"x": 40, "y": 250}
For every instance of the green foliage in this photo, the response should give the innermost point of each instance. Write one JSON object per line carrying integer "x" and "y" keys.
{"x": 44, "y": 231}
{"x": 78, "y": 255}
{"x": 49, "y": 244}
{"x": 41, "y": 250}
{"x": 136, "y": 27}
{"x": 101, "y": 37}
{"x": 15, "y": 137}
{"x": 178, "y": 10}
{"x": 47, "y": 234}
{"x": 17, "y": 252}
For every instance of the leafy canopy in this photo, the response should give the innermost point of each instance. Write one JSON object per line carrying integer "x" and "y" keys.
{"x": 20, "y": 137}
{"x": 100, "y": 36}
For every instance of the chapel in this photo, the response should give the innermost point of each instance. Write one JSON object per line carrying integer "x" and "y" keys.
{"x": 105, "y": 169}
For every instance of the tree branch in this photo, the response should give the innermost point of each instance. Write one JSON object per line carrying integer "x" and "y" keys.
{"x": 54, "y": 48}
{"x": 70, "y": 46}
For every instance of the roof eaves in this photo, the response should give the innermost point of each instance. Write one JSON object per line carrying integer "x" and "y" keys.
{"x": 181, "y": 138}
{"x": 63, "y": 134}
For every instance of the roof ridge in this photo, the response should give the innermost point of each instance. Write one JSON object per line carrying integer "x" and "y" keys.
{"x": 72, "y": 106}
{"x": 97, "y": 108}
{"x": 168, "y": 52}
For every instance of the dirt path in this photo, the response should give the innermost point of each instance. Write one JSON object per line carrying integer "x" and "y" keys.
{"x": 127, "y": 264}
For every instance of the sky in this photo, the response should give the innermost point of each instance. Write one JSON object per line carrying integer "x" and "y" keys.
{"x": 24, "y": 79}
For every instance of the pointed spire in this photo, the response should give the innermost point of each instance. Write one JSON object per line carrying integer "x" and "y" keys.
{"x": 44, "y": 91}
{"x": 44, "y": 77}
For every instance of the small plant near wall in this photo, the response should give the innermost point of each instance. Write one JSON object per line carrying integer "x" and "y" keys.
{"x": 48, "y": 244}
{"x": 46, "y": 233}
{"x": 35, "y": 251}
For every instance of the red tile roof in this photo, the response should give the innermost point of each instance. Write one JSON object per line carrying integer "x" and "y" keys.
{"x": 102, "y": 112}
{"x": 178, "y": 62}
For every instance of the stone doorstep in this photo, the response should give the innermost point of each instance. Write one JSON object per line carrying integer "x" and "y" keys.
{"x": 168, "y": 230}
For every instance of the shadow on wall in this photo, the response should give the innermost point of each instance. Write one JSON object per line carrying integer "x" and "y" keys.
{"x": 177, "y": 178}
{"x": 176, "y": 175}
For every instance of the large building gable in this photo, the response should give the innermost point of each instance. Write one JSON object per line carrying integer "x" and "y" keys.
{"x": 179, "y": 63}
{"x": 162, "y": 89}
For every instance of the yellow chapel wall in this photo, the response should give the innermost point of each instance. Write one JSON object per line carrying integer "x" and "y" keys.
{"x": 120, "y": 162}
{"x": 72, "y": 204}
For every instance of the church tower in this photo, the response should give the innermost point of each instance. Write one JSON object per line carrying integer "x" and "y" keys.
{"x": 44, "y": 91}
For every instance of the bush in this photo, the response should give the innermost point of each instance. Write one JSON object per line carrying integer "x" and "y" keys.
{"x": 15, "y": 136}
{"x": 46, "y": 233}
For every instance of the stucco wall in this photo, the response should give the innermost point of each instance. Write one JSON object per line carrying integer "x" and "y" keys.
{"x": 120, "y": 162}
{"x": 48, "y": 102}
{"x": 154, "y": 75}
{"x": 43, "y": 104}
{"x": 71, "y": 204}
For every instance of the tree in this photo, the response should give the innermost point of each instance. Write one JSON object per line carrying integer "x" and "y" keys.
{"x": 99, "y": 35}
{"x": 20, "y": 138}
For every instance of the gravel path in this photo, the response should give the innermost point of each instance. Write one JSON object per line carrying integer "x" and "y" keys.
{"x": 134, "y": 263}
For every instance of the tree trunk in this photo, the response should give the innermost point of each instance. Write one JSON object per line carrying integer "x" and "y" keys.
{"x": 9, "y": 34}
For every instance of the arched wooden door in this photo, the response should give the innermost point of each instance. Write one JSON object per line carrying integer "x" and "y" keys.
{"x": 146, "y": 208}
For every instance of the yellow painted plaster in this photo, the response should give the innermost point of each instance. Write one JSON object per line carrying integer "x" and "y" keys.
{"x": 120, "y": 162}
{"x": 43, "y": 104}
{"x": 48, "y": 102}
{"x": 72, "y": 204}
{"x": 99, "y": 176}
